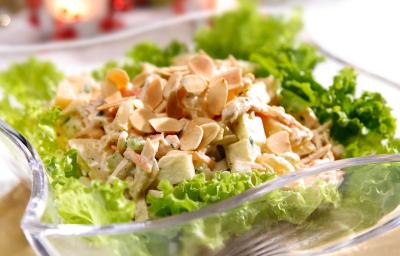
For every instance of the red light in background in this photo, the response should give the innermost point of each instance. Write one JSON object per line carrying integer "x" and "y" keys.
{"x": 122, "y": 5}
{"x": 178, "y": 6}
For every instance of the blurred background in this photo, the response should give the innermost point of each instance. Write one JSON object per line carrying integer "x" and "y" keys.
{"x": 361, "y": 31}
{"x": 81, "y": 34}
{"x": 46, "y": 20}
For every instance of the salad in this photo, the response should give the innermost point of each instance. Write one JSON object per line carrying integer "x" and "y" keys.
{"x": 170, "y": 131}
{"x": 199, "y": 116}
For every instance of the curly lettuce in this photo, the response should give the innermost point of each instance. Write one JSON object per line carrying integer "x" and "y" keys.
{"x": 241, "y": 31}
{"x": 357, "y": 120}
{"x": 99, "y": 203}
{"x": 198, "y": 192}
{"x": 293, "y": 66}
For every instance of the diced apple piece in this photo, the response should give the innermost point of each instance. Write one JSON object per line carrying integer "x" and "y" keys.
{"x": 242, "y": 151}
{"x": 251, "y": 128}
{"x": 66, "y": 93}
{"x": 74, "y": 88}
{"x": 176, "y": 168}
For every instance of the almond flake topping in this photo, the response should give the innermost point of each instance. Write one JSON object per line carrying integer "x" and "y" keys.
{"x": 233, "y": 76}
{"x": 191, "y": 137}
{"x": 202, "y": 65}
{"x": 279, "y": 143}
{"x": 152, "y": 93}
{"x": 140, "y": 120}
{"x": 194, "y": 84}
{"x": 210, "y": 132}
{"x": 217, "y": 96}
{"x": 166, "y": 124}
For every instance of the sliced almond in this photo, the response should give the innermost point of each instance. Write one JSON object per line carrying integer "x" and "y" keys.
{"x": 162, "y": 107}
{"x": 279, "y": 143}
{"x": 174, "y": 69}
{"x": 162, "y": 115}
{"x": 194, "y": 84}
{"x": 140, "y": 120}
{"x": 233, "y": 76}
{"x": 191, "y": 137}
{"x": 113, "y": 97}
{"x": 152, "y": 93}
{"x": 220, "y": 134}
{"x": 163, "y": 72}
{"x": 272, "y": 126}
{"x": 172, "y": 84}
{"x": 201, "y": 120}
{"x": 216, "y": 96}
{"x": 185, "y": 122}
{"x": 139, "y": 80}
{"x": 108, "y": 88}
{"x": 166, "y": 124}
{"x": 174, "y": 108}
{"x": 210, "y": 132}
{"x": 113, "y": 104}
{"x": 202, "y": 65}
{"x": 168, "y": 71}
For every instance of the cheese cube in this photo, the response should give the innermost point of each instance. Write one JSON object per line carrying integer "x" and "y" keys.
{"x": 242, "y": 151}
{"x": 251, "y": 128}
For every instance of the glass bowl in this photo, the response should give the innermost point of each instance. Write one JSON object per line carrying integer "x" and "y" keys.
{"x": 241, "y": 225}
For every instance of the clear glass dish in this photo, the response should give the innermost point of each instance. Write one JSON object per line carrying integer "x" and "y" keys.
{"x": 327, "y": 232}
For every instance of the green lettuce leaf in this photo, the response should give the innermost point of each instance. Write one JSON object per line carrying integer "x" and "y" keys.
{"x": 293, "y": 66}
{"x": 30, "y": 81}
{"x": 368, "y": 193}
{"x": 100, "y": 203}
{"x": 26, "y": 88}
{"x": 241, "y": 32}
{"x": 198, "y": 192}
{"x": 372, "y": 191}
{"x": 294, "y": 205}
{"x": 364, "y": 125}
